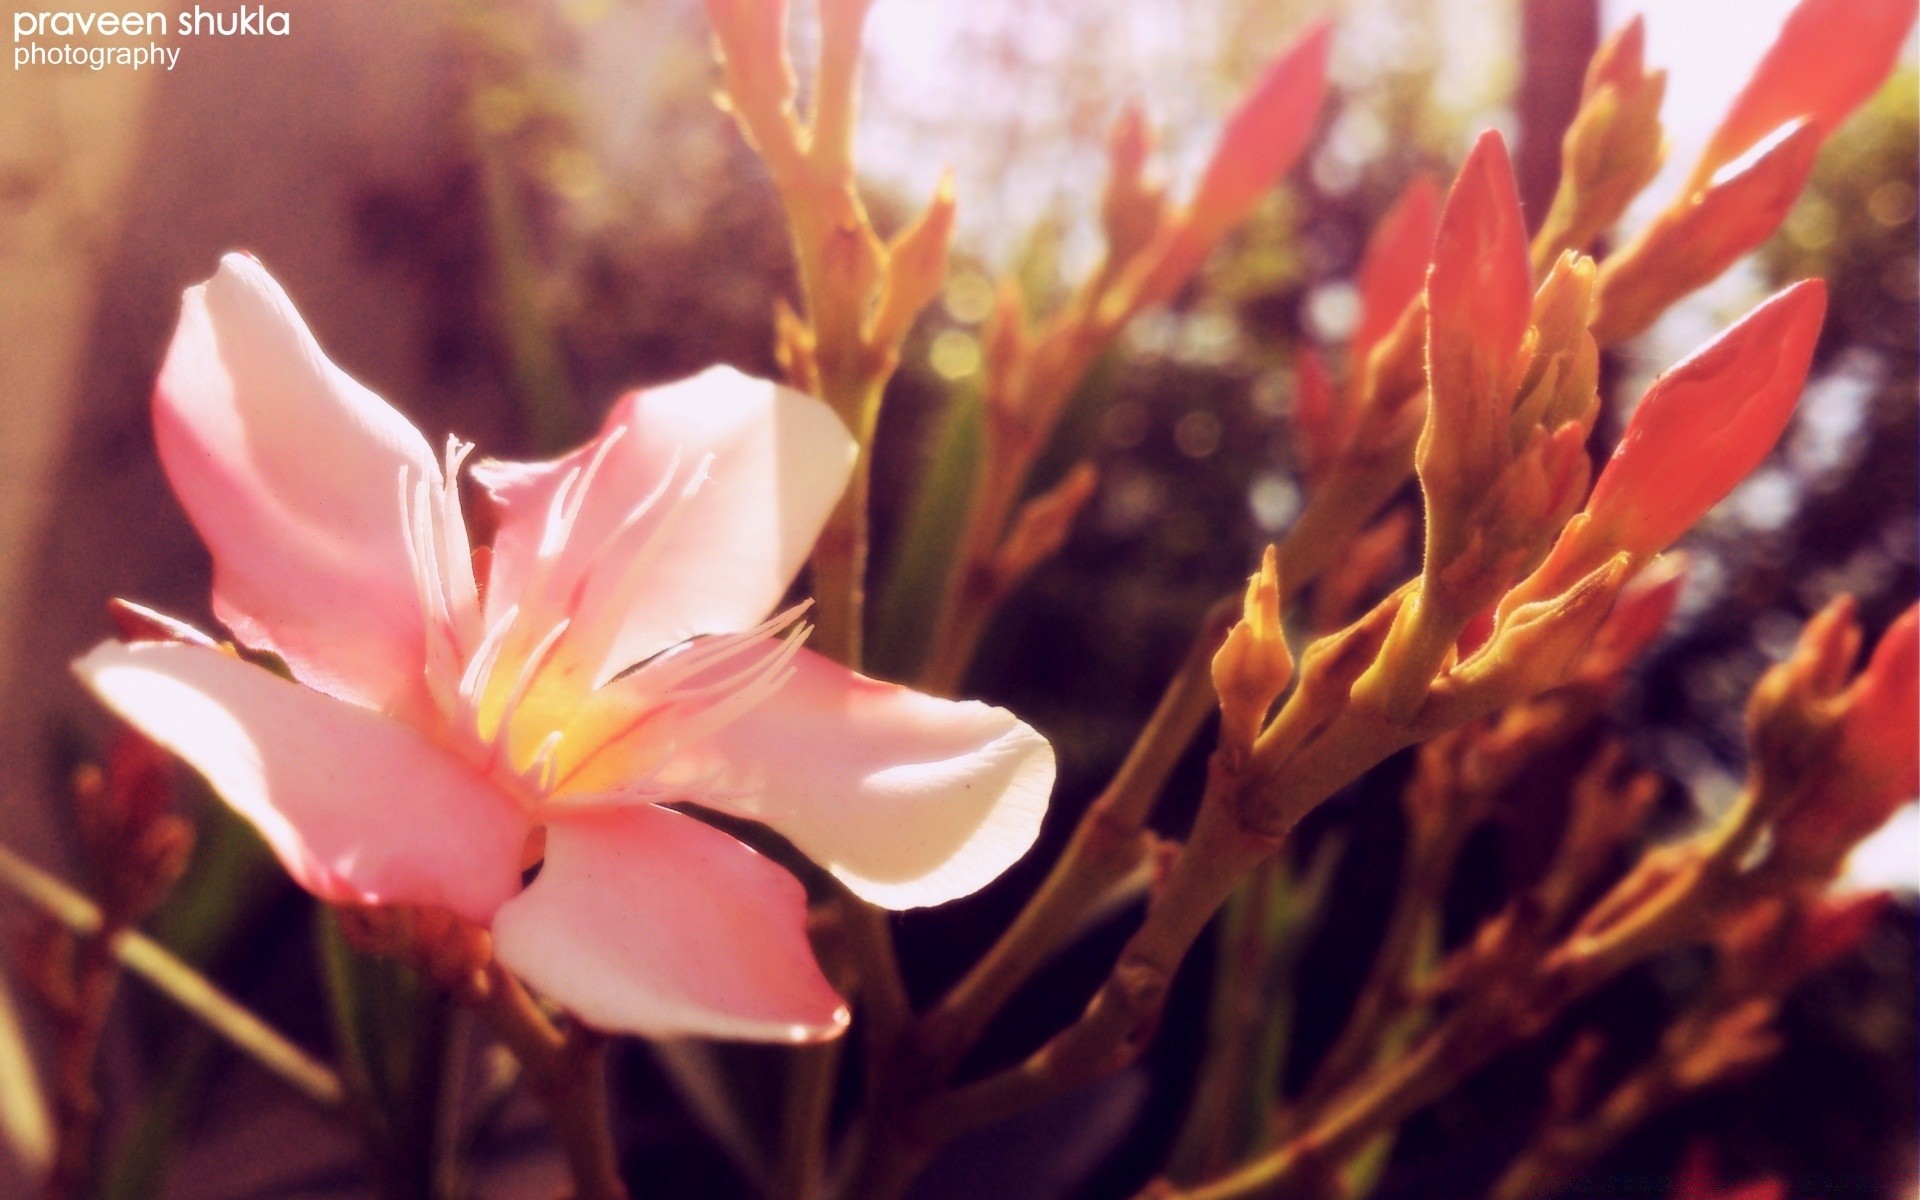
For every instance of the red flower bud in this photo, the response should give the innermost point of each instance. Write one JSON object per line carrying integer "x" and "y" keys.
{"x": 1706, "y": 424}
{"x": 1479, "y": 303}
{"x": 1265, "y": 134}
{"x": 1830, "y": 56}
{"x": 1880, "y": 733}
{"x": 1394, "y": 268}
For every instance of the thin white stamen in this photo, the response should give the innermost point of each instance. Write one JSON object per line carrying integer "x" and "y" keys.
{"x": 480, "y": 666}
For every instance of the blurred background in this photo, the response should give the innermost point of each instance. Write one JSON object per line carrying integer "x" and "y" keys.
{"x": 501, "y": 213}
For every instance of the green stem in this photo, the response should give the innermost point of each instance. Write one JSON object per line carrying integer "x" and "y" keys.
{"x": 567, "y": 1071}
{"x": 180, "y": 983}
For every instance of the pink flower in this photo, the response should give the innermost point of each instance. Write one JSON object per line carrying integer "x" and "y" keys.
{"x": 452, "y": 722}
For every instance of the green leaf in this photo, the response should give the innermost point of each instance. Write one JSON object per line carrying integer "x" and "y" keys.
{"x": 928, "y": 547}
{"x": 25, "y": 1119}
{"x": 391, "y": 1029}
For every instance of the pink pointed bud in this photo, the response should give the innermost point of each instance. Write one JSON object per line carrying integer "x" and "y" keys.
{"x": 1319, "y": 415}
{"x": 1880, "y": 733}
{"x": 1776, "y": 944}
{"x": 1132, "y": 208}
{"x": 1831, "y": 55}
{"x": 1696, "y": 1181}
{"x": 1694, "y": 241}
{"x": 1394, "y": 268}
{"x": 1699, "y": 430}
{"x": 1479, "y": 303}
{"x": 1041, "y": 526}
{"x": 1840, "y": 758}
{"x": 1265, "y": 135}
{"x": 1612, "y": 149}
{"x": 1262, "y": 140}
{"x": 1706, "y": 424}
{"x": 1620, "y": 62}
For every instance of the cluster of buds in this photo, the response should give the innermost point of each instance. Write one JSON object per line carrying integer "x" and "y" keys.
{"x": 136, "y": 848}
{"x": 136, "y": 845}
{"x": 1612, "y": 149}
{"x": 1699, "y": 430}
{"x": 1153, "y": 249}
{"x": 453, "y": 953}
{"x": 862, "y": 293}
{"x": 1831, "y": 55}
{"x": 1835, "y": 757}
{"x": 1762, "y": 953}
{"x": 1512, "y": 382}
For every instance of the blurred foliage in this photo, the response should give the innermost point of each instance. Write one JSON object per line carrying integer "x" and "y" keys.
{"x": 596, "y": 224}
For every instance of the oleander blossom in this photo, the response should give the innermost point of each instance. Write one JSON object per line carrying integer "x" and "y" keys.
{"x": 459, "y": 717}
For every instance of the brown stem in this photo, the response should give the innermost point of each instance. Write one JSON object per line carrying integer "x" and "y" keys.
{"x": 1562, "y": 1151}
{"x": 1513, "y": 1003}
{"x": 1108, "y": 843}
{"x": 805, "y": 1111}
{"x": 1110, "y": 1033}
{"x": 839, "y": 573}
{"x": 1423, "y": 883}
{"x": 1216, "y": 1128}
{"x": 567, "y": 1072}
{"x": 76, "y": 1103}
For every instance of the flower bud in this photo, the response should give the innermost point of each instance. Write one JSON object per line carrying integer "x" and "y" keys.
{"x": 1007, "y": 347}
{"x": 1562, "y": 380}
{"x": 1131, "y": 209}
{"x": 1479, "y": 299}
{"x": 1849, "y": 757}
{"x": 1693, "y": 241}
{"x": 136, "y": 846}
{"x": 1612, "y": 149}
{"x": 1265, "y": 135}
{"x": 1700, "y": 429}
{"x": 1253, "y": 666}
{"x": 1536, "y": 646}
{"x": 916, "y": 269}
{"x": 1262, "y": 139}
{"x": 1394, "y": 269}
{"x": 1775, "y": 943}
{"x": 1319, "y": 416}
{"x": 451, "y": 952}
{"x": 1830, "y": 56}
{"x": 1639, "y": 615}
{"x": 1878, "y": 742}
{"x": 1043, "y": 523}
{"x": 1697, "y": 1181}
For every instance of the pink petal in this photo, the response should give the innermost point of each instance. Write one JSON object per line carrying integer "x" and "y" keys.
{"x": 360, "y": 808}
{"x": 646, "y": 921}
{"x": 291, "y": 473}
{"x": 741, "y": 474}
{"x": 910, "y": 800}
